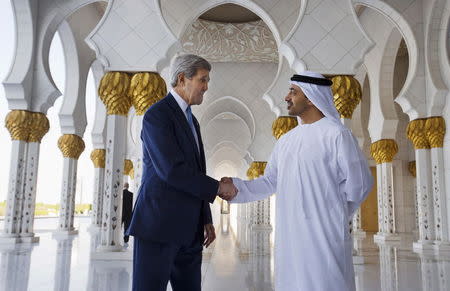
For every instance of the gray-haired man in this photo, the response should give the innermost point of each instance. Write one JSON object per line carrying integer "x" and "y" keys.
{"x": 172, "y": 219}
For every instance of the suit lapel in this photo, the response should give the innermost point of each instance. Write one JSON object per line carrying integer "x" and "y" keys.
{"x": 182, "y": 121}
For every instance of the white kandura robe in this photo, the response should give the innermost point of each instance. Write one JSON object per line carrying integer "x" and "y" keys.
{"x": 321, "y": 177}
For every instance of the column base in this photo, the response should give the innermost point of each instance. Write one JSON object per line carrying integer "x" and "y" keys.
{"x": 359, "y": 234}
{"x": 358, "y": 260}
{"x": 386, "y": 237}
{"x": 111, "y": 253}
{"x": 61, "y": 234}
{"x": 442, "y": 247}
{"x": 423, "y": 247}
{"x": 9, "y": 240}
{"x": 29, "y": 239}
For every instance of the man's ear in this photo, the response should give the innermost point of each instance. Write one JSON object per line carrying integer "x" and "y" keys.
{"x": 181, "y": 79}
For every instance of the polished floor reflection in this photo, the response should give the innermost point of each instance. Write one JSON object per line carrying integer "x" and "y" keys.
{"x": 61, "y": 263}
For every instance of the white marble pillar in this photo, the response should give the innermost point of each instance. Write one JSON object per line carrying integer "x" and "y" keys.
{"x": 26, "y": 129}
{"x": 14, "y": 199}
{"x": 15, "y": 267}
{"x": 98, "y": 197}
{"x": 424, "y": 201}
{"x": 71, "y": 147}
{"x": 416, "y": 132}
{"x": 29, "y": 202}
{"x": 440, "y": 200}
{"x": 63, "y": 262}
{"x": 67, "y": 201}
{"x": 383, "y": 152}
{"x": 113, "y": 92}
{"x": 98, "y": 159}
{"x": 137, "y": 161}
{"x": 112, "y": 212}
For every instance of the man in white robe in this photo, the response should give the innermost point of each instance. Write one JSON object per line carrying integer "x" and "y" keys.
{"x": 321, "y": 177}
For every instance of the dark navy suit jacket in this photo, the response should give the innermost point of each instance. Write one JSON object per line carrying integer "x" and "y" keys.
{"x": 172, "y": 204}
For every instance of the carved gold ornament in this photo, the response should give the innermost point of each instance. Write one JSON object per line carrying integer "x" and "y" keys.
{"x": 416, "y": 133}
{"x": 113, "y": 92}
{"x": 283, "y": 124}
{"x": 435, "y": 131}
{"x": 384, "y": 150}
{"x": 71, "y": 146}
{"x": 39, "y": 127}
{"x": 145, "y": 90}
{"x": 26, "y": 125}
{"x": 98, "y": 158}
{"x": 347, "y": 94}
{"x": 256, "y": 169}
{"x": 128, "y": 168}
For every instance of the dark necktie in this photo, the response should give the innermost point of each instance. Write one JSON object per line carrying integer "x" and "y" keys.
{"x": 191, "y": 125}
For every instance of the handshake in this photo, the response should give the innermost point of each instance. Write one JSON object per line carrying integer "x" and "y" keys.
{"x": 227, "y": 190}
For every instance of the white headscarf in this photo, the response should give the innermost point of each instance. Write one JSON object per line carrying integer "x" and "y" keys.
{"x": 320, "y": 96}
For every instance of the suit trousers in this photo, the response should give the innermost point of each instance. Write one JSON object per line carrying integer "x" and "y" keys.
{"x": 157, "y": 263}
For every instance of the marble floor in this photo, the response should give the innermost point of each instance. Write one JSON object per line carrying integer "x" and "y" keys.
{"x": 66, "y": 264}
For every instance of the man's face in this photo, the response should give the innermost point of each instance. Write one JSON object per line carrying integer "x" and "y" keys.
{"x": 195, "y": 87}
{"x": 297, "y": 103}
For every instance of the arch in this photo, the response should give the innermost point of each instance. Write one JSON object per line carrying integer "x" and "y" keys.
{"x": 248, "y": 4}
{"x": 431, "y": 51}
{"x": 411, "y": 42}
{"x": 228, "y": 104}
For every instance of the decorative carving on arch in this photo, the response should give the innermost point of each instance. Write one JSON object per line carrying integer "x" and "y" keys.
{"x": 231, "y": 42}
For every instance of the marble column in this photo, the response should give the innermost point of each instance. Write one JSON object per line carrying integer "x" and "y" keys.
{"x": 425, "y": 204}
{"x": 412, "y": 171}
{"x": 98, "y": 159}
{"x": 145, "y": 89}
{"x": 26, "y": 129}
{"x": 71, "y": 147}
{"x": 435, "y": 132}
{"x": 113, "y": 91}
{"x": 38, "y": 128}
{"x": 260, "y": 218}
{"x": 383, "y": 152}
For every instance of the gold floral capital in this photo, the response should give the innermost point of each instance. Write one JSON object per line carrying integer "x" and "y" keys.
{"x": 18, "y": 124}
{"x": 412, "y": 168}
{"x": 128, "y": 168}
{"x": 39, "y": 127}
{"x": 26, "y": 125}
{"x": 113, "y": 92}
{"x": 416, "y": 133}
{"x": 71, "y": 146}
{"x": 283, "y": 124}
{"x": 145, "y": 90}
{"x": 384, "y": 150}
{"x": 347, "y": 94}
{"x": 435, "y": 131}
{"x": 256, "y": 169}
{"x": 98, "y": 158}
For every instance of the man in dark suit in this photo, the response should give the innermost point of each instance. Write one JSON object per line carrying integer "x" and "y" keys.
{"x": 127, "y": 208}
{"x": 172, "y": 219}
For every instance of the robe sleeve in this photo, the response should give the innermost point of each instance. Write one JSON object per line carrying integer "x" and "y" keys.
{"x": 260, "y": 188}
{"x": 355, "y": 178}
